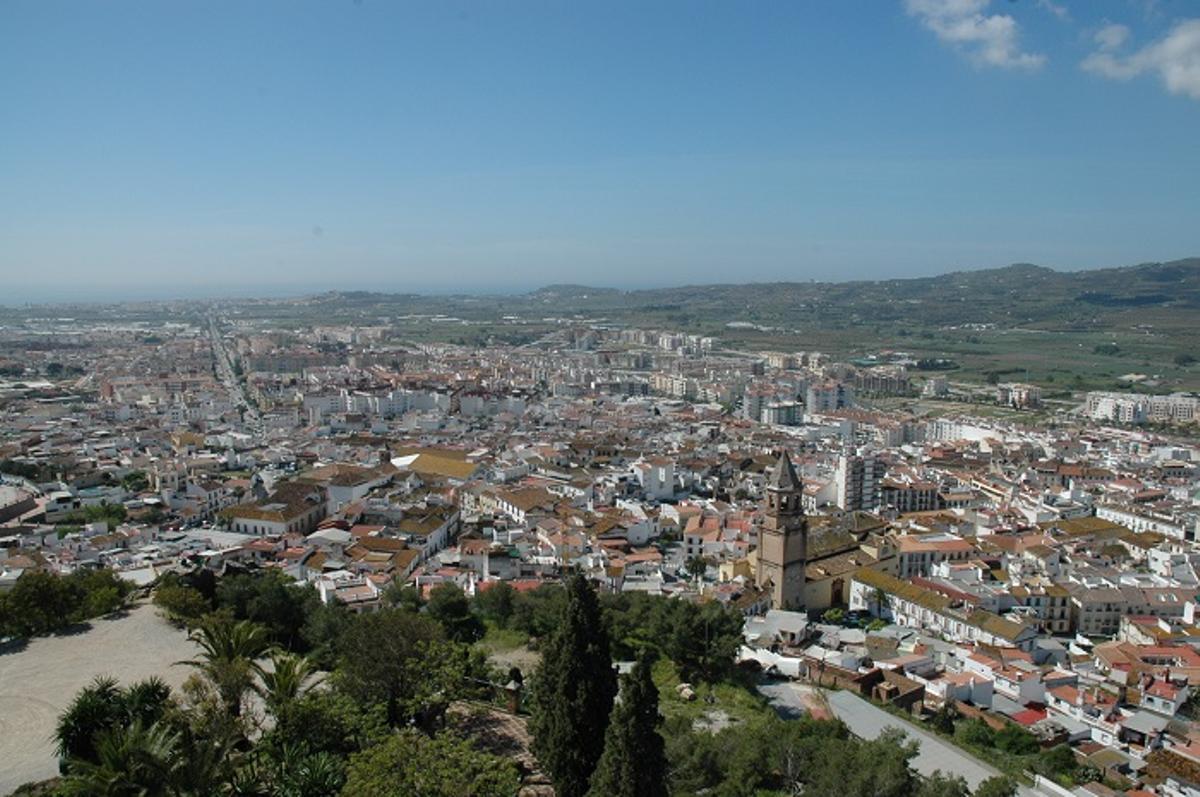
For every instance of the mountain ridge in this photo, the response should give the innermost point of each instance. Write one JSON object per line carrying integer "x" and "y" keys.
{"x": 1019, "y": 269}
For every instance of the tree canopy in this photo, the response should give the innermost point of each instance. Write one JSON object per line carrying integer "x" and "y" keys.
{"x": 572, "y": 692}
{"x": 41, "y": 602}
{"x": 410, "y": 763}
{"x": 634, "y": 762}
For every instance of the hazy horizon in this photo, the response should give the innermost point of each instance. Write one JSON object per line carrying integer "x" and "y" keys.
{"x": 229, "y": 149}
{"x": 268, "y": 292}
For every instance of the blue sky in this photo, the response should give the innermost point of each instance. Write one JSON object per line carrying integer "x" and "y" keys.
{"x": 218, "y": 148}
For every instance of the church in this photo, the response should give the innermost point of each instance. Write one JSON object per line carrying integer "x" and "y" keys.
{"x": 783, "y": 539}
{"x": 807, "y": 564}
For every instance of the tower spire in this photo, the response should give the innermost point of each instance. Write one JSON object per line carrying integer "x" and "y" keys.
{"x": 783, "y": 475}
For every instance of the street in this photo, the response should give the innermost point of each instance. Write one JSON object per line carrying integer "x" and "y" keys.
{"x": 233, "y": 383}
{"x": 868, "y": 721}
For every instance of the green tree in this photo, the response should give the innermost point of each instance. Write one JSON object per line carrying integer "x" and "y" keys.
{"x": 380, "y": 659}
{"x": 129, "y": 760}
{"x": 25, "y": 470}
{"x": 974, "y": 733}
{"x": 634, "y": 761}
{"x": 323, "y": 629}
{"x": 997, "y": 786}
{"x": 703, "y": 641}
{"x": 102, "y": 706}
{"x": 572, "y": 692}
{"x": 696, "y": 566}
{"x": 410, "y": 763}
{"x": 945, "y": 717}
{"x": 182, "y": 604}
{"x": 296, "y": 772}
{"x": 287, "y": 678}
{"x": 327, "y": 721}
{"x": 101, "y": 591}
{"x": 940, "y": 785}
{"x": 834, "y": 616}
{"x": 1058, "y": 761}
{"x": 111, "y": 514}
{"x": 878, "y": 768}
{"x": 496, "y": 603}
{"x": 39, "y": 603}
{"x": 102, "y": 601}
{"x": 147, "y": 701}
{"x": 228, "y": 650}
{"x": 274, "y": 601}
{"x": 449, "y": 606}
{"x": 537, "y": 612}
{"x": 879, "y": 597}
{"x": 135, "y": 481}
{"x": 1086, "y": 773}
{"x": 1016, "y": 740}
{"x": 403, "y": 596}
{"x": 97, "y": 707}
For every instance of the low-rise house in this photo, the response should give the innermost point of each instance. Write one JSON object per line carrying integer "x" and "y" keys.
{"x": 965, "y": 687}
{"x": 913, "y": 606}
{"x": 919, "y": 553}
{"x": 1048, "y": 604}
{"x": 517, "y": 504}
{"x": 1162, "y": 695}
{"x": 430, "y": 529}
{"x": 1093, "y": 707}
{"x": 292, "y": 507}
{"x": 357, "y": 593}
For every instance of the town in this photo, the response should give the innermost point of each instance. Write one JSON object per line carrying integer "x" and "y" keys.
{"x": 894, "y": 541}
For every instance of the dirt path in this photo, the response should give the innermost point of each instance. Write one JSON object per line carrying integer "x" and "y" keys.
{"x": 37, "y": 682}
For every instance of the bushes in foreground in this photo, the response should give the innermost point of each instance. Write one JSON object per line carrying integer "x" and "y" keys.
{"x": 43, "y": 603}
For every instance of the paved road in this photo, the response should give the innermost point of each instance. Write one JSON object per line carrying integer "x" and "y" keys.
{"x": 790, "y": 700}
{"x": 233, "y": 383}
{"x": 37, "y": 682}
{"x": 868, "y": 721}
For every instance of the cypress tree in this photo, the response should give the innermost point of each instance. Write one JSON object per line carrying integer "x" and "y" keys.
{"x": 572, "y": 693}
{"x": 634, "y": 763}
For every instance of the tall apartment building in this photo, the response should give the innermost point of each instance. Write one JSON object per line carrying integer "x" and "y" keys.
{"x": 828, "y": 397}
{"x": 935, "y": 386}
{"x": 781, "y": 413}
{"x": 858, "y": 479}
{"x": 1141, "y": 407}
{"x": 884, "y": 381}
{"x": 1016, "y": 394}
{"x": 752, "y": 402}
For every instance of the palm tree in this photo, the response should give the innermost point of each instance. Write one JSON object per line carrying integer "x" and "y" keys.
{"x": 98, "y": 707}
{"x": 145, "y": 700}
{"x": 288, "y": 678}
{"x": 133, "y": 760}
{"x": 227, "y": 654}
{"x": 298, "y": 773}
{"x": 103, "y": 705}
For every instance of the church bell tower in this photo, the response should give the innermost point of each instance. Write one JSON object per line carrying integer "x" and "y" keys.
{"x": 783, "y": 539}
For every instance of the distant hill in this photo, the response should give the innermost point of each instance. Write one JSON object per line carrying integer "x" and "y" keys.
{"x": 572, "y": 291}
{"x": 1014, "y": 295}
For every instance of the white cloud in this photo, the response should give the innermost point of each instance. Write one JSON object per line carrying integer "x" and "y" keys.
{"x": 1056, "y": 9}
{"x": 1175, "y": 58}
{"x": 989, "y": 39}
{"x": 1110, "y": 37}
